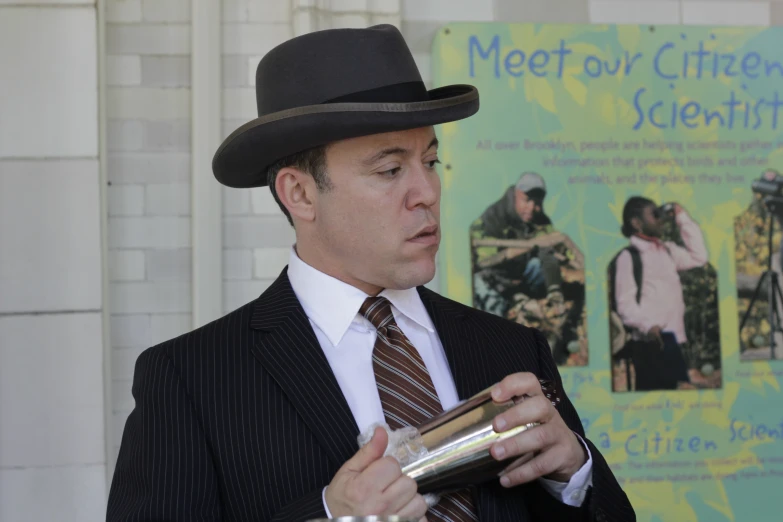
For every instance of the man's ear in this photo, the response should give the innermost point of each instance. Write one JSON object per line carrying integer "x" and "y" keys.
{"x": 296, "y": 190}
{"x": 636, "y": 224}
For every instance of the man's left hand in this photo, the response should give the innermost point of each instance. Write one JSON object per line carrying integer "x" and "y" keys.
{"x": 550, "y": 450}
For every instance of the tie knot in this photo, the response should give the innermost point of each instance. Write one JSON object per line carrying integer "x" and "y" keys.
{"x": 378, "y": 311}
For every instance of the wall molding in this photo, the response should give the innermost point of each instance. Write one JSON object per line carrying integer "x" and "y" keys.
{"x": 206, "y": 193}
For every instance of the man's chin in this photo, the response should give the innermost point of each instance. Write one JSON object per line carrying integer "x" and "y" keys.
{"x": 417, "y": 273}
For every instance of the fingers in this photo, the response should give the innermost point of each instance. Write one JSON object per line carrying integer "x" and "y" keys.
{"x": 516, "y": 385}
{"x": 530, "y": 441}
{"x": 533, "y": 409}
{"x": 399, "y": 494}
{"x": 527, "y": 457}
{"x": 369, "y": 453}
{"x": 381, "y": 474}
{"x": 542, "y": 465}
{"x": 415, "y": 509}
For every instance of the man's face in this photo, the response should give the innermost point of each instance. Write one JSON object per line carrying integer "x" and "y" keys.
{"x": 651, "y": 223}
{"x": 378, "y": 225}
{"x": 525, "y": 205}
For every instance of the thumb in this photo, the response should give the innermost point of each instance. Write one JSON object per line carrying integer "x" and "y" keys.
{"x": 369, "y": 453}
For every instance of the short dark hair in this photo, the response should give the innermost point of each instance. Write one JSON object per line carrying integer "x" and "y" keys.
{"x": 311, "y": 161}
{"x": 634, "y": 208}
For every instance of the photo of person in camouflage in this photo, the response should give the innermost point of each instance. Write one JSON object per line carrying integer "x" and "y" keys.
{"x": 526, "y": 271}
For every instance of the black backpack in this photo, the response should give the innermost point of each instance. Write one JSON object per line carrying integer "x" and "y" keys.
{"x": 620, "y": 343}
{"x": 636, "y": 260}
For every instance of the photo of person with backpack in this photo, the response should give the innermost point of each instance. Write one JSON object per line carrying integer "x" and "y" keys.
{"x": 647, "y": 305}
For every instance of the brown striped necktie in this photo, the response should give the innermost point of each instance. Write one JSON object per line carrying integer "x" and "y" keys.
{"x": 407, "y": 394}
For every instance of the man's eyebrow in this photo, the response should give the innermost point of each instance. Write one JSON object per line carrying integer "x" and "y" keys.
{"x": 386, "y": 152}
{"x": 395, "y": 150}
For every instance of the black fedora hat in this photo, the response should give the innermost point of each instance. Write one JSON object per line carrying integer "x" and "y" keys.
{"x": 332, "y": 85}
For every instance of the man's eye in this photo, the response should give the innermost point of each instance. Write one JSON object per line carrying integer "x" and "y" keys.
{"x": 391, "y": 172}
{"x": 433, "y": 163}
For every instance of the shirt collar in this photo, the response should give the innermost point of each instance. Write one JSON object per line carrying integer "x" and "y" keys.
{"x": 332, "y": 304}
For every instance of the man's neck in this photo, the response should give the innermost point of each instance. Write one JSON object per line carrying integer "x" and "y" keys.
{"x": 650, "y": 239}
{"x": 318, "y": 259}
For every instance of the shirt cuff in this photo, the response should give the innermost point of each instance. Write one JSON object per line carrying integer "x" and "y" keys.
{"x": 326, "y": 508}
{"x": 574, "y": 491}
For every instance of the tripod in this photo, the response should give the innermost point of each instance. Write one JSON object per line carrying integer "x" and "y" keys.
{"x": 773, "y": 291}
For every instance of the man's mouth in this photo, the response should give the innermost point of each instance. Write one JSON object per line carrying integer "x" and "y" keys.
{"x": 426, "y": 234}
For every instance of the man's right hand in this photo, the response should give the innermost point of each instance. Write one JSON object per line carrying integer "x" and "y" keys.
{"x": 655, "y": 332}
{"x": 371, "y": 484}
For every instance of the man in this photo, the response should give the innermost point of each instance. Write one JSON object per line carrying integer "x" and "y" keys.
{"x": 506, "y": 279}
{"x": 653, "y": 309}
{"x": 256, "y": 415}
{"x": 536, "y": 273}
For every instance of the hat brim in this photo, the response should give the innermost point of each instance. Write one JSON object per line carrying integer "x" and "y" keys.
{"x": 243, "y": 157}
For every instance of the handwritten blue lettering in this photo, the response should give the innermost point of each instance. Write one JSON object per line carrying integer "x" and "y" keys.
{"x": 659, "y": 443}
{"x": 537, "y": 66}
{"x": 593, "y": 66}
{"x": 515, "y": 61}
{"x": 692, "y": 114}
{"x": 749, "y": 63}
{"x": 657, "y": 61}
{"x": 743, "y": 432}
{"x": 473, "y": 43}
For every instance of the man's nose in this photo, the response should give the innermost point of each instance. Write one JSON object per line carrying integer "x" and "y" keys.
{"x": 425, "y": 187}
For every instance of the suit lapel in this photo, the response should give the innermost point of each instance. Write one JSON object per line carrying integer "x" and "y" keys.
{"x": 472, "y": 360}
{"x": 289, "y": 350}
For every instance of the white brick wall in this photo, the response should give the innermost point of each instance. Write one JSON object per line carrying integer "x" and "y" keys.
{"x": 237, "y": 264}
{"x": 250, "y": 29}
{"x": 148, "y": 47}
{"x": 448, "y": 10}
{"x": 149, "y": 232}
{"x": 166, "y": 11}
{"x": 57, "y": 202}
{"x": 52, "y": 417}
{"x": 34, "y": 120}
{"x": 126, "y": 265}
{"x": 171, "y": 199}
{"x": 137, "y": 38}
{"x": 122, "y": 70}
{"x": 54, "y": 363}
{"x": 127, "y": 11}
{"x": 635, "y": 12}
{"x": 150, "y": 297}
{"x": 727, "y": 13}
{"x": 267, "y": 261}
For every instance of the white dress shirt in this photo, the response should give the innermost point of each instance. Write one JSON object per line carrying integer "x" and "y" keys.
{"x": 348, "y": 340}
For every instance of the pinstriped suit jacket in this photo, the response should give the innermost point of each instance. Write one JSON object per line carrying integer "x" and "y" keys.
{"x": 242, "y": 419}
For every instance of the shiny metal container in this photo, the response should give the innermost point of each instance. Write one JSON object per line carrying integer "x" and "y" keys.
{"x": 458, "y": 443}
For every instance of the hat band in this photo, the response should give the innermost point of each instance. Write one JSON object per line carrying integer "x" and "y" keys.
{"x": 406, "y": 92}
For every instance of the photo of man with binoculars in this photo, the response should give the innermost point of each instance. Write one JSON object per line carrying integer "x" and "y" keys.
{"x": 650, "y": 331}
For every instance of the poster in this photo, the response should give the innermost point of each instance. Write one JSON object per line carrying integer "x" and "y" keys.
{"x": 620, "y": 189}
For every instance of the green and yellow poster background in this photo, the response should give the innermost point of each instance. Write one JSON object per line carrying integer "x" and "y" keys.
{"x": 599, "y": 111}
